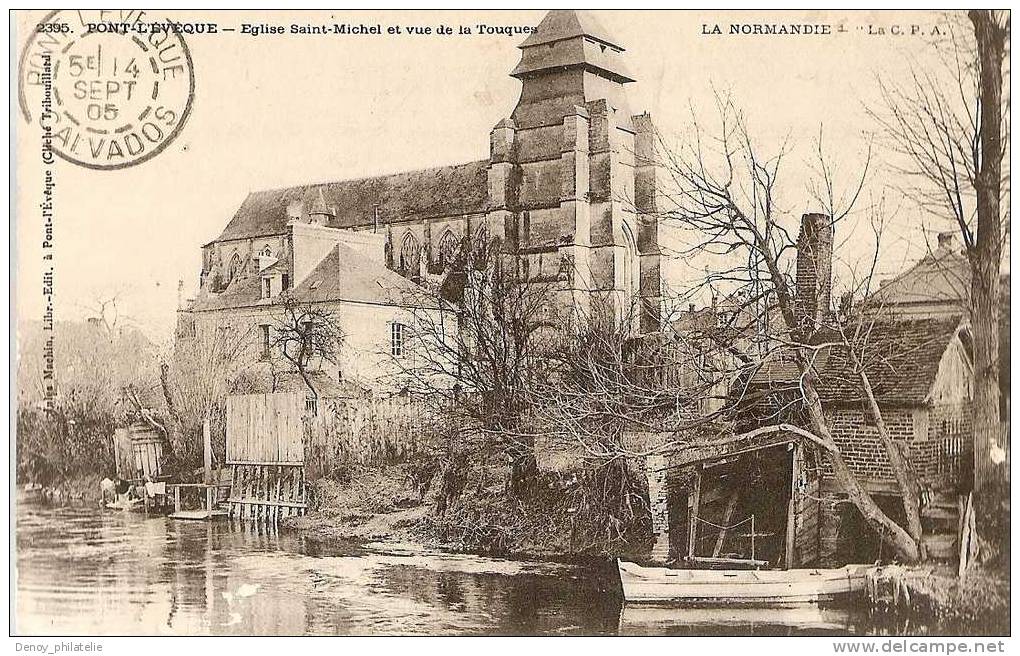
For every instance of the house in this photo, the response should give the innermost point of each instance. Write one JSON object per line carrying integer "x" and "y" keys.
{"x": 919, "y": 366}
{"x": 568, "y": 186}
{"x": 922, "y": 377}
{"x": 340, "y": 271}
{"x": 939, "y": 285}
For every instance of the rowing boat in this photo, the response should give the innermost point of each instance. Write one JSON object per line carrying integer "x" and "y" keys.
{"x": 749, "y": 587}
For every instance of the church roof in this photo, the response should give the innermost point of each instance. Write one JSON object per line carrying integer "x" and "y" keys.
{"x": 424, "y": 193}
{"x": 560, "y": 24}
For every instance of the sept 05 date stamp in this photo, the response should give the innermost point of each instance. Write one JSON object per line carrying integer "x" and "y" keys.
{"x": 108, "y": 89}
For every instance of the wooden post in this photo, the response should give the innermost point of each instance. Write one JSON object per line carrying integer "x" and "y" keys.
{"x": 207, "y": 452}
{"x": 752, "y": 540}
{"x": 692, "y": 524}
{"x": 791, "y": 508}
{"x": 177, "y": 498}
{"x": 731, "y": 506}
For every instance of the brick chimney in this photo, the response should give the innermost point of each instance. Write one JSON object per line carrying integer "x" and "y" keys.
{"x": 814, "y": 271}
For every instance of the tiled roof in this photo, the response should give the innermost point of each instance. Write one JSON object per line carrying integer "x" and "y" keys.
{"x": 901, "y": 359}
{"x": 343, "y": 275}
{"x": 443, "y": 191}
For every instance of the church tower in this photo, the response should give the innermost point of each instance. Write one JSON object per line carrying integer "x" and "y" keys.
{"x": 571, "y": 175}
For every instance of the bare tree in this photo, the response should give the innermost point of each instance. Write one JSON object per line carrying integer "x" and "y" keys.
{"x": 207, "y": 363}
{"x": 479, "y": 356}
{"x": 725, "y": 195}
{"x": 951, "y": 127}
{"x": 307, "y": 334}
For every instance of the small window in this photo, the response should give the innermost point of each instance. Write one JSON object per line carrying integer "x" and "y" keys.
{"x": 286, "y": 281}
{"x": 267, "y": 252}
{"x": 267, "y": 287}
{"x": 312, "y": 405}
{"x": 397, "y": 337}
{"x": 265, "y": 341}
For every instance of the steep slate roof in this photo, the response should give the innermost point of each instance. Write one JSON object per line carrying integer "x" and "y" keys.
{"x": 442, "y": 191}
{"x": 347, "y": 275}
{"x": 901, "y": 359}
{"x": 574, "y": 39}
{"x": 560, "y": 24}
{"x": 940, "y": 277}
{"x": 343, "y": 275}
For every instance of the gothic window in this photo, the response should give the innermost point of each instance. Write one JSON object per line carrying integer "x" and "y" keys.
{"x": 235, "y": 267}
{"x": 480, "y": 243}
{"x": 409, "y": 250}
{"x": 448, "y": 247}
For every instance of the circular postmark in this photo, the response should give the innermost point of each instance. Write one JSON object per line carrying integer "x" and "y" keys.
{"x": 109, "y": 89}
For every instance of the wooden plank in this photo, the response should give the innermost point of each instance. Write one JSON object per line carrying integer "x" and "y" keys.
{"x": 791, "y": 506}
{"x": 692, "y": 523}
{"x": 267, "y": 502}
{"x": 750, "y": 562}
{"x": 731, "y": 506}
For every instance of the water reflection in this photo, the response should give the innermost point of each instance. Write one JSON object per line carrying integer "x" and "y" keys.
{"x": 83, "y": 571}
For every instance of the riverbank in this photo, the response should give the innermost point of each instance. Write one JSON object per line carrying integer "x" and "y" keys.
{"x": 369, "y": 504}
{"x": 555, "y": 521}
{"x": 80, "y": 488}
{"x": 979, "y": 604}
{"x": 935, "y": 596}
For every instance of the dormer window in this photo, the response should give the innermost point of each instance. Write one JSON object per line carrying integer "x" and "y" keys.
{"x": 266, "y": 252}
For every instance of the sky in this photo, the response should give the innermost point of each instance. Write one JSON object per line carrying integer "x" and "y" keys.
{"x": 278, "y": 110}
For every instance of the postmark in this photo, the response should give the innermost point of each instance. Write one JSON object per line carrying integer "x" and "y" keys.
{"x": 109, "y": 89}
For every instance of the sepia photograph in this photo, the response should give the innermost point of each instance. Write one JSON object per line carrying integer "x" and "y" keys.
{"x": 570, "y": 322}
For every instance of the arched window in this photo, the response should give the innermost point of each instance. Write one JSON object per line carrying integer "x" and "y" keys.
{"x": 235, "y": 267}
{"x": 449, "y": 246}
{"x": 480, "y": 243}
{"x": 409, "y": 250}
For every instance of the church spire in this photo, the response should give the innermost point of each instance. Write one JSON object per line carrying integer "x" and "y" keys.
{"x": 571, "y": 39}
{"x": 321, "y": 212}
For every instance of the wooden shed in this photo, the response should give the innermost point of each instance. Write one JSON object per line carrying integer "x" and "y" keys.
{"x": 738, "y": 500}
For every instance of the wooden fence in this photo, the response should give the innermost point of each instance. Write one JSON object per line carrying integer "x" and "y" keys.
{"x": 265, "y": 429}
{"x": 363, "y": 431}
{"x": 265, "y": 454}
{"x": 275, "y": 442}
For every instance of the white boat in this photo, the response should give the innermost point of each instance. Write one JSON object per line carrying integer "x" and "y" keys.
{"x": 748, "y": 587}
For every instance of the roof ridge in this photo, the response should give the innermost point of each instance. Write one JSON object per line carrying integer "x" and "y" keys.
{"x": 313, "y": 185}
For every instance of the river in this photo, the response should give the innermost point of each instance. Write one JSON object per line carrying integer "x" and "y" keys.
{"x": 87, "y": 571}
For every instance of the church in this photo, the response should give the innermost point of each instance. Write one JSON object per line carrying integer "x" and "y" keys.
{"x": 568, "y": 187}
